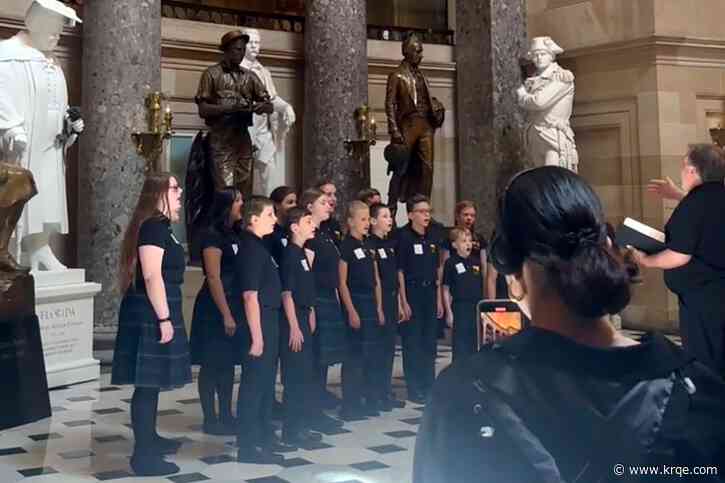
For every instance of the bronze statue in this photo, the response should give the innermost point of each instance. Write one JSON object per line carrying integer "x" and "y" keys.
{"x": 17, "y": 186}
{"x": 227, "y": 97}
{"x": 413, "y": 115}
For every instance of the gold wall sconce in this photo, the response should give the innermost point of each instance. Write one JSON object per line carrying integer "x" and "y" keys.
{"x": 150, "y": 144}
{"x": 366, "y": 131}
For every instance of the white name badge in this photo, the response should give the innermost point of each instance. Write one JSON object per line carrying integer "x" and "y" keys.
{"x": 381, "y": 252}
{"x": 235, "y": 247}
{"x": 175, "y": 240}
{"x": 359, "y": 253}
{"x": 460, "y": 268}
{"x": 418, "y": 249}
{"x": 305, "y": 267}
{"x": 284, "y": 242}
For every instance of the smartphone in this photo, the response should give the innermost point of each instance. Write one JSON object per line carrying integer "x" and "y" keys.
{"x": 498, "y": 319}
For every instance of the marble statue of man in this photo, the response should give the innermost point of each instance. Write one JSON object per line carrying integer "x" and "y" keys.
{"x": 547, "y": 98}
{"x": 36, "y": 128}
{"x": 268, "y": 131}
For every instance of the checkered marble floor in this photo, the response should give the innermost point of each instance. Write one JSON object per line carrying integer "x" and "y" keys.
{"x": 88, "y": 439}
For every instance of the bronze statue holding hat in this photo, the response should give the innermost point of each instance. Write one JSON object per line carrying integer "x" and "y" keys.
{"x": 227, "y": 97}
{"x": 413, "y": 116}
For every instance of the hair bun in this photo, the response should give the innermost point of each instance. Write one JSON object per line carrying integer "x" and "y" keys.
{"x": 570, "y": 243}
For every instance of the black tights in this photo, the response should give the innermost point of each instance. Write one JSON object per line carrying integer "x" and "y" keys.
{"x": 220, "y": 382}
{"x": 144, "y": 409}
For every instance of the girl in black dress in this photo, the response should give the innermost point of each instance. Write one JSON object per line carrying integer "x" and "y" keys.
{"x": 152, "y": 351}
{"x": 215, "y": 344}
{"x": 330, "y": 341}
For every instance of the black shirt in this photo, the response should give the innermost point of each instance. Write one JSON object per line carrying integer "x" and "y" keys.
{"x": 276, "y": 242}
{"x": 326, "y": 262}
{"x": 228, "y": 243}
{"x": 418, "y": 255}
{"x": 156, "y": 231}
{"x": 333, "y": 230}
{"x": 697, "y": 228}
{"x": 360, "y": 258}
{"x": 463, "y": 278}
{"x": 386, "y": 256}
{"x": 257, "y": 271}
{"x": 297, "y": 276}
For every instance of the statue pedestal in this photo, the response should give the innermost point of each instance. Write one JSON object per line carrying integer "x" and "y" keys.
{"x": 22, "y": 372}
{"x": 64, "y": 306}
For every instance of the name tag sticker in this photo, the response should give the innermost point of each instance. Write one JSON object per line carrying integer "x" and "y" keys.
{"x": 284, "y": 242}
{"x": 460, "y": 268}
{"x": 381, "y": 252}
{"x": 359, "y": 253}
{"x": 305, "y": 266}
{"x": 235, "y": 248}
{"x": 418, "y": 249}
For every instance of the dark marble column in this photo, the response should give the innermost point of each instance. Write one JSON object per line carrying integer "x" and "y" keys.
{"x": 121, "y": 64}
{"x": 490, "y": 40}
{"x": 336, "y": 83}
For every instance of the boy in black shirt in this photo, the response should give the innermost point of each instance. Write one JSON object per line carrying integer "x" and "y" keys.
{"x": 301, "y": 395}
{"x": 361, "y": 298}
{"x": 421, "y": 297}
{"x": 462, "y": 289}
{"x": 259, "y": 286}
{"x": 381, "y": 224}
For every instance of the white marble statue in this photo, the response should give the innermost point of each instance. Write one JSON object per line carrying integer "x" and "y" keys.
{"x": 35, "y": 127}
{"x": 268, "y": 131}
{"x": 547, "y": 98}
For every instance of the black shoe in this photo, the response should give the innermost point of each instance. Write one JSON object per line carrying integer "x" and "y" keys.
{"x": 324, "y": 423}
{"x": 353, "y": 413}
{"x": 396, "y": 403}
{"x": 416, "y": 398}
{"x": 152, "y": 465}
{"x": 301, "y": 438}
{"x": 329, "y": 400}
{"x": 258, "y": 456}
{"x": 166, "y": 445}
{"x": 386, "y": 405}
{"x": 220, "y": 429}
{"x": 279, "y": 446}
{"x": 371, "y": 408}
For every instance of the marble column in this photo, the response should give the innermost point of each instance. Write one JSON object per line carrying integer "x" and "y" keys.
{"x": 336, "y": 83}
{"x": 121, "y": 64}
{"x": 490, "y": 39}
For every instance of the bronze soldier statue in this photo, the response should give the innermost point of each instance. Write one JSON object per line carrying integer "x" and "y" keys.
{"x": 413, "y": 115}
{"x": 227, "y": 97}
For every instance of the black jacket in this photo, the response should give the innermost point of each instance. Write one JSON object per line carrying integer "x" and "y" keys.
{"x": 542, "y": 408}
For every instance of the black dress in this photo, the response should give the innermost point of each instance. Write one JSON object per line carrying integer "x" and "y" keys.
{"x": 139, "y": 358}
{"x": 697, "y": 228}
{"x": 209, "y": 343}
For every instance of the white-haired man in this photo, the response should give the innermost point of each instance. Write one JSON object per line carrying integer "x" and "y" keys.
{"x": 547, "y": 98}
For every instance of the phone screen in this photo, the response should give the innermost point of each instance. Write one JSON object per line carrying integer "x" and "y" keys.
{"x": 498, "y": 319}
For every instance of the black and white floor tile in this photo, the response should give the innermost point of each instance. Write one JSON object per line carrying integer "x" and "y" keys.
{"x": 88, "y": 440}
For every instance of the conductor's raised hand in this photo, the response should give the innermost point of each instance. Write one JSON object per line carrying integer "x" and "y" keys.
{"x": 665, "y": 188}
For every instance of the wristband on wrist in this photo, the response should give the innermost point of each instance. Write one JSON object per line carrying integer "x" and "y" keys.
{"x": 161, "y": 321}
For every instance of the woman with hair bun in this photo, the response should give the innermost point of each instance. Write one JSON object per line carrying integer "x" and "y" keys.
{"x": 568, "y": 398}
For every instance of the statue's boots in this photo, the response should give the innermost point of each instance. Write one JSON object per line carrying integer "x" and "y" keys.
{"x": 9, "y": 217}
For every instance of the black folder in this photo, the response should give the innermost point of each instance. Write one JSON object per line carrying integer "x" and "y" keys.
{"x": 640, "y": 236}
